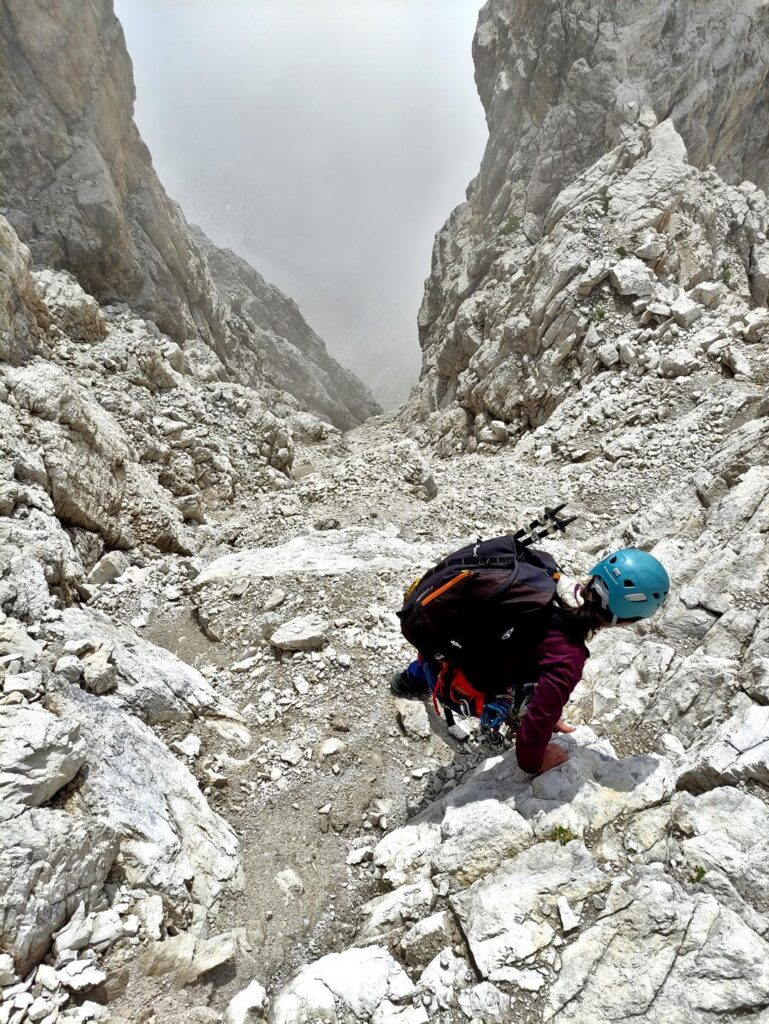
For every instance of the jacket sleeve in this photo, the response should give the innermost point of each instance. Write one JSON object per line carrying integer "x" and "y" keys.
{"x": 561, "y": 662}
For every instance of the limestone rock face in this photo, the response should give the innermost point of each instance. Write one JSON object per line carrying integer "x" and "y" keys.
{"x": 559, "y": 83}
{"x": 50, "y": 862}
{"x": 569, "y": 95}
{"x": 81, "y": 191}
{"x": 291, "y": 356}
{"x": 665, "y": 933}
{"x": 172, "y": 842}
{"x": 517, "y": 326}
{"x": 19, "y": 299}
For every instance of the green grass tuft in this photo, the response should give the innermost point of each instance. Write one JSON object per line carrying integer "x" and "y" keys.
{"x": 561, "y": 835}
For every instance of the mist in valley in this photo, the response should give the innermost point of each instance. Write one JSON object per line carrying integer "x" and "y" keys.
{"x": 324, "y": 141}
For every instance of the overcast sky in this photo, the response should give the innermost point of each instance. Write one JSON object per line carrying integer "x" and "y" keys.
{"x": 324, "y": 140}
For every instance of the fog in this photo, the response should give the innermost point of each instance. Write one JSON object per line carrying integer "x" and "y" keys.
{"x": 326, "y": 141}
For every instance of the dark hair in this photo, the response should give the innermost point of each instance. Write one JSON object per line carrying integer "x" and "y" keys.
{"x": 590, "y": 616}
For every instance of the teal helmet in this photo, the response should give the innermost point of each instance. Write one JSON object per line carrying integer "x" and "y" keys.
{"x": 631, "y": 584}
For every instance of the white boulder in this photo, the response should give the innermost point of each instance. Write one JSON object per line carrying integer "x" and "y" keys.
{"x": 507, "y": 916}
{"x": 74, "y": 312}
{"x": 39, "y": 753}
{"x": 171, "y": 839}
{"x": 354, "y": 984}
{"x": 632, "y": 277}
{"x": 247, "y": 1005}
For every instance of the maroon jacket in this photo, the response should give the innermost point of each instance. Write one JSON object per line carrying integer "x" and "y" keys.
{"x": 556, "y": 665}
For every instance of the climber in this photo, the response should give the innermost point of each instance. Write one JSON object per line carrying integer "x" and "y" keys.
{"x": 490, "y": 671}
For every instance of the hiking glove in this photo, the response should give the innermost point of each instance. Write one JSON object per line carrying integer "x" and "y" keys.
{"x": 569, "y": 590}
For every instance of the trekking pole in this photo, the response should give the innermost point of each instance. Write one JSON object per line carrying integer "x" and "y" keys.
{"x": 549, "y": 523}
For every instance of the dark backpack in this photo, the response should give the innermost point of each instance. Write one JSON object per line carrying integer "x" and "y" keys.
{"x": 481, "y": 608}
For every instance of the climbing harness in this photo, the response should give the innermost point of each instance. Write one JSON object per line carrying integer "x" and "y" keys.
{"x": 454, "y": 696}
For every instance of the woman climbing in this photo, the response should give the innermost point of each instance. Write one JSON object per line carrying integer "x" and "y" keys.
{"x": 499, "y": 629}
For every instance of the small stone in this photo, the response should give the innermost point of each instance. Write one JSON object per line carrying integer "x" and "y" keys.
{"x": 39, "y": 1009}
{"x": 301, "y": 685}
{"x": 651, "y": 245}
{"x": 290, "y": 883}
{"x": 70, "y": 667}
{"x": 708, "y": 293}
{"x": 25, "y": 683}
{"x": 303, "y": 633}
{"x": 188, "y": 747}
{"x": 678, "y": 363}
{"x": 329, "y": 747}
{"x": 631, "y": 276}
{"x": 81, "y": 975}
{"x": 99, "y": 673}
{"x": 685, "y": 311}
{"x": 756, "y": 325}
{"x": 187, "y": 956}
{"x": 47, "y": 977}
{"x": 595, "y": 273}
{"x": 149, "y": 910}
{"x": 569, "y": 920}
{"x": 660, "y": 310}
{"x": 608, "y": 354}
{"x": 736, "y": 360}
{"x": 358, "y": 855}
{"x": 79, "y": 646}
{"x": 107, "y": 928}
{"x": 76, "y": 934}
{"x": 216, "y": 779}
{"x": 246, "y": 665}
{"x": 413, "y": 718}
{"x": 329, "y": 523}
{"x": 190, "y": 507}
{"x": 292, "y": 755}
{"x": 274, "y": 600}
{"x": 7, "y": 969}
{"x": 109, "y": 567}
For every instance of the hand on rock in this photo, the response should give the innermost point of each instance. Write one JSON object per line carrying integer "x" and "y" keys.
{"x": 561, "y": 726}
{"x": 554, "y": 755}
